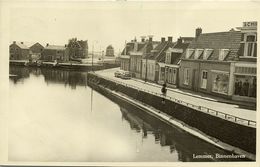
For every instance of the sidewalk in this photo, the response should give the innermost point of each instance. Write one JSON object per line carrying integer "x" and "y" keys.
{"x": 219, "y": 104}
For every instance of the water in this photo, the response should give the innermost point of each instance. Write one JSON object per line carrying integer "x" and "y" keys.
{"x": 55, "y": 116}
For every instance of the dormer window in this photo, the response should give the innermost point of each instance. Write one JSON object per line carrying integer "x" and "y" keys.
{"x": 223, "y": 53}
{"x": 198, "y": 52}
{"x": 207, "y": 53}
{"x": 249, "y": 45}
{"x": 189, "y": 52}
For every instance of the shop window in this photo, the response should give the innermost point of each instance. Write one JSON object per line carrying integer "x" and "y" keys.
{"x": 245, "y": 86}
{"x": 186, "y": 76}
{"x": 220, "y": 83}
{"x": 207, "y": 53}
{"x": 189, "y": 52}
{"x": 204, "y": 79}
{"x": 223, "y": 53}
{"x": 198, "y": 52}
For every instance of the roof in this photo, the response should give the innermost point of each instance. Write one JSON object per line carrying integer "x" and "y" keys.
{"x": 110, "y": 47}
{"x": 55, "y": 47}
{"x": 159, "y": 51}
{"x": 20, "y": 45}
{"x": 176, "y": 56}
{"x": 219, "y": 40}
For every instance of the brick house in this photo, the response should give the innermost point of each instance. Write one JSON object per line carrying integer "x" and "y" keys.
{"x": 150, "y": 70}
{"x": 222, "y": 64}
{"x": 125, "y": 56}
{"x": 55, "y": 52}
{"x": 36, "y": 51}
{"x": 170, "y": 61}
{"x": 19, "y": 51}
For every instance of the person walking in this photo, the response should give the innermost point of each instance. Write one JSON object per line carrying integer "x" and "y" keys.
{"x": 164, "y": 91}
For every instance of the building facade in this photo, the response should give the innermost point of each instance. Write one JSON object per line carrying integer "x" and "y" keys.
{"x": 222, "y": 64}
{"x": 110, "y": 51}
{"x": 55, "y": 52}
{"x": 150, "y": 62}
{"x": 36, "y": 51}
{"x": 19, "y": 51}
{"x": 169, "y": 63}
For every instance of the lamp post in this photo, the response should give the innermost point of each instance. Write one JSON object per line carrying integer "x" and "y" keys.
{"x": 93, "y": 54}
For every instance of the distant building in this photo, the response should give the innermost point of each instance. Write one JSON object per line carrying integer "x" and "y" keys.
{"x": 36, "y": 51}
{"x": 222, "y": 63}
{"x": 77, "y": 49}
{"x": 110, "y": 51}
{"x": 19, "y": 51}
{"x": 55, "y": 52}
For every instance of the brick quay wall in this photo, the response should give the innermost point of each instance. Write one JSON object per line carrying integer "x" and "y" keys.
{"x": 234, "y": 134}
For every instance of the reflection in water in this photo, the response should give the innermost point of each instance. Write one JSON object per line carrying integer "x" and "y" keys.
{"x": 66, "y": 77}
{"x": 71, "y": 125}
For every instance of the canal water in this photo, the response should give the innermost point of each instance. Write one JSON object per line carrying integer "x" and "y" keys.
{"x": 55, "y": 116}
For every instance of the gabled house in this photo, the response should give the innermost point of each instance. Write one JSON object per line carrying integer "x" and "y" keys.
{"x": 222, "y": 64}
{"x": 170, "y": 61}
{"x": 125, "y": 56}
{"x": 19, "y": 51}
{"x": 150, "y": 70}
{"x": 140, "y": 50}
{"x": 36, "y": 51}
{"x": 55, "y": 52}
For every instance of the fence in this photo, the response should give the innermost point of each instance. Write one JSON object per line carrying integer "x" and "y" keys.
{"x": 216, "y": 113}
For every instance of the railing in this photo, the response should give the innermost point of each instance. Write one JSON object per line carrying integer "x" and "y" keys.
{"x": 216, "y": 113}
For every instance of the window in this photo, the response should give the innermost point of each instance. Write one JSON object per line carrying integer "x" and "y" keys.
{"x": 207, "y": 53}
{"x": 223, "y": 53}
{"x": 250, "y": 45}
{"x": 204, "y": 79}
{"x": 186, "y": 76}
{"x": 189, "y": 52}
{"x": 245, "y": 86}
{"x": 168, "y": 57}
{"x": 198, "y": 52}
{"x": 220, "y": 82}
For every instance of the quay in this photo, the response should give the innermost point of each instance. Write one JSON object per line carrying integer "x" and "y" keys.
{"x": 67, "y": 65}
{"x": 222, "y": 124}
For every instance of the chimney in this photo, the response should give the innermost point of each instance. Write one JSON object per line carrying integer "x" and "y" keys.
{"x": 14, "y": 42}
{"x": 198, "y": 32}
{"x": 179, "y": 40}
{"x": 150, "y": 38}
{"x": 21, "y": 42}
{"x": 162, "y": 39}
{"x": 47, "y": 44}
{"x": 142, "y": 38}
{"x": 169, "y": 39}
{"x": 65, "y": 45}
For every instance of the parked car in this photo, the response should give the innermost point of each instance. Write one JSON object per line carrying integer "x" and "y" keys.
{"x": 119, "y": 73}
{"x": 126, "y": 75}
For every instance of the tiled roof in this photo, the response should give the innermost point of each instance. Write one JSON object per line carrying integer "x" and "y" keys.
{"x": 177, "y": 56}
{"x": 130, "y": 47}
{"x": 160, "y": 50}
{"x": 22, "y": 46}
{"x": 55, "y": 47}
{"x": 220, "y": 40}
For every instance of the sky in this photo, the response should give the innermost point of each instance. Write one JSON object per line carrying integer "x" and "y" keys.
{"x": 105, "y": 23}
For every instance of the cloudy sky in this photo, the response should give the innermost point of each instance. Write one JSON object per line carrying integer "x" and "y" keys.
{"x": 114, "y": 22}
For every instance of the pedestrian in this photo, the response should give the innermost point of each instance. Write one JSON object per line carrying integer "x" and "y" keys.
{"x": 164, "y": 91}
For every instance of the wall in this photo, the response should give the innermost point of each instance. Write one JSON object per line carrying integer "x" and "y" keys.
{"x": 234, "y": 134}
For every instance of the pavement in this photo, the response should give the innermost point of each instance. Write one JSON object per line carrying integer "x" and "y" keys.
{"x": 238, "y": 109}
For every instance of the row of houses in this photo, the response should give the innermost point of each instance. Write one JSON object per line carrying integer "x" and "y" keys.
{"x": 75, "y": 49}
{"x": 219, "y": 63}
